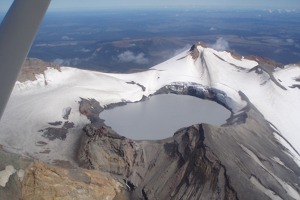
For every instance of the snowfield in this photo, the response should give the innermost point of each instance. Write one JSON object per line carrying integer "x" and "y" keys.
{"x": 34, "y": 104}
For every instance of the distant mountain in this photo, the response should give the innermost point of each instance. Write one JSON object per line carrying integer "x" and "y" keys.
{"x": 54, "y": 118}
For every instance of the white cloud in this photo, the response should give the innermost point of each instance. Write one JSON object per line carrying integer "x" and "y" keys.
{"x": 67, "y": 62}
{"x": 277, "y": 51}
{"x": 66, "y": 38}
{"x": 296, "y": 53}
{"x": 74, "y": 61}
{"x": 178, "y": 51}
{"x": 58, "y": 61}
{"x": 273, "y": 40}
{"x": 212, "y": 29}
{"x": 84, "y": 50}
{"x": 113, "y": 29}
{"x": 290, "y": 41}
{"x": 221, "y": 44}
{"x": 129, "y": 56}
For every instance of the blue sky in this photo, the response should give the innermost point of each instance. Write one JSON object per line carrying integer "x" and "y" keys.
{"x": 98, "y": 4}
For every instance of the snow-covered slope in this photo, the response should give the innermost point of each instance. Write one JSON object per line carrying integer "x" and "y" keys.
{"x": 274, "y": 92}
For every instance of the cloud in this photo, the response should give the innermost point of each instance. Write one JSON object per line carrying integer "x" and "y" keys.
{"x": 273, "y": 40}
{"x": 65, "y": 43}
{"x": 75, "y": 61}
{"x": 277, "y": 51}
{"x": 296, "y": 53}
{"x": 129, "y": 56}
{"x": 221, "y": 44}
{"x": 67, "y": 62}
{"x": 66, "y": 38}
{"x": 113, "y": 29}
{"x": 58, "y": 61}
{"x": 84, "y": 50}
{"x": 290, "y": 41}
{"x": 212, "y": 29}
{"x": 185, "y": 48}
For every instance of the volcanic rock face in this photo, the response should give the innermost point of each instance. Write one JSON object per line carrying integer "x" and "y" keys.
{"x": 29, "y": 180}
{"x": 42, "y": 181}
{"x": 198, "y": 162}
{"x": 176, "y": 168}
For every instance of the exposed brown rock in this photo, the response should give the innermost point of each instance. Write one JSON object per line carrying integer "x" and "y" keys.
{"x": 45, "y": 182}
{"x": 264, "y": 61}
{"x": 236, "y": 55}
{"x": 91, "y": 109}
{"x": 40, "y": 181}
{"x": 32, "y": 67}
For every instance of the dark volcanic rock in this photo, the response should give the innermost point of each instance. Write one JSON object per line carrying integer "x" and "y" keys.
{"x": 57, "y": 133}
{"x": 68, "y": 125}
{"x": 113, "y": 105}
{"x": 177, "y": 168}
{"x": 134, "y": 83}
{"x": 295, "y": 86}
{"x": 66, "y": 113}
{"x": 91, "y": 109}
{"x": 57, "y": 123}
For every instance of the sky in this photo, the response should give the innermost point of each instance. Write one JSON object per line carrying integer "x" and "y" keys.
{"x": 119, "y": 4}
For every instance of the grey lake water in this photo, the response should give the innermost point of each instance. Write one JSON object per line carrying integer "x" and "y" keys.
{"x": 162, "y": 115}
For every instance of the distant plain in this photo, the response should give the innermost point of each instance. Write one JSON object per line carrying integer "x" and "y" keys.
{"x": 130, "y": 40}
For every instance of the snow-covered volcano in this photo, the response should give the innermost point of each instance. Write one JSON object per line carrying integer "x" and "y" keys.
{"x": 274, "y": 91}
{"x": 43, "y": 118}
